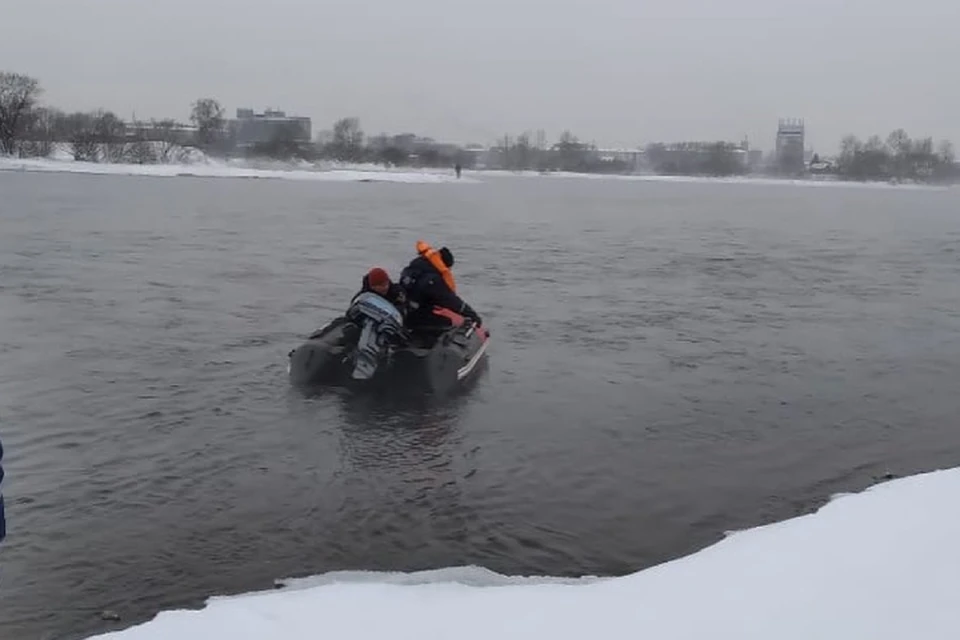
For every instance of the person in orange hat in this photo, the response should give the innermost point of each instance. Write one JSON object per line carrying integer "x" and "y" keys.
{"x": 378, "y": 281}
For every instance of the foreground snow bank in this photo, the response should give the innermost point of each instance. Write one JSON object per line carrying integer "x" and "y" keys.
{"x": 216, "y": 169}
{"x": 876, "y": 565}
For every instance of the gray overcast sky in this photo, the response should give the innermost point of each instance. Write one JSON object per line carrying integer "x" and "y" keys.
{"x": 619, "y": 72}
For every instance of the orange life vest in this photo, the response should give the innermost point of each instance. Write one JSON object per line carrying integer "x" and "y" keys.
{"x": 433, "y": 256}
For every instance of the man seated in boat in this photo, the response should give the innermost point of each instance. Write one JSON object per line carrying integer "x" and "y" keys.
{"x": 432, "y": 291}
{"x": 378, "y": 281}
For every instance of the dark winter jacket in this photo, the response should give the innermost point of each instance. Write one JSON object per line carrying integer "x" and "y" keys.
{"x": 425, "y": 288}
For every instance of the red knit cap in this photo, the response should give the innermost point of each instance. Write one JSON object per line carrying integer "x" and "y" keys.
{"x": 378, "y": 276}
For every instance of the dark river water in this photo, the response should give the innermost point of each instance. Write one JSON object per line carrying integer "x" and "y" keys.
{"x": 670, "y": 361}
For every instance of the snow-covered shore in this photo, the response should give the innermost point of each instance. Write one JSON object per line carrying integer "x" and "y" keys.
{"x": 877, "y": 565}
{"x": 219, "y": 169}
{"x": 196, "y": 164}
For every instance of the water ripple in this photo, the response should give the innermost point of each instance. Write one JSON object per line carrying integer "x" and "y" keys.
{"x": 669, "y": 362}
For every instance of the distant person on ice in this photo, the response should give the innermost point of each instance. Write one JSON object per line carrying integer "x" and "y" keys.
{"x": 458, "y": 169}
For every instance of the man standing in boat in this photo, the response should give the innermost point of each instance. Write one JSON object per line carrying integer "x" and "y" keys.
{"x": 432, "y": 291}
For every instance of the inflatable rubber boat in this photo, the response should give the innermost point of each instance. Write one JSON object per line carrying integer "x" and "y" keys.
{"x": 368, "y": 347}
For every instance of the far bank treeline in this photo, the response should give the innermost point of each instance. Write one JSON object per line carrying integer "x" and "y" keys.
{"x": 31, "y": 129}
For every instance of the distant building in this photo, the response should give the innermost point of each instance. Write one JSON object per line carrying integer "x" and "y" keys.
{"x": 631, "y": 158}
{"x": 790, "y": 151}
{"x": 476, "y": 155}
{"x": 166, "y": 131}
{"x": 251, "y": 128}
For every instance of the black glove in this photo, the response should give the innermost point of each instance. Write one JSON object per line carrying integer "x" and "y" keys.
{"x": 470, "y": 313}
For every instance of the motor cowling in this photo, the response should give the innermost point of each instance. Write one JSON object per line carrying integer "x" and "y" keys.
{"x": 381, "y": 325}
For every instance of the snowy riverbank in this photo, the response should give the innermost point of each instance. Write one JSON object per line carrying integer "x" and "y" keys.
{"x": 197, "y": 165}
{"x": 875, "y": 565}
{"x": 219, "y": 169}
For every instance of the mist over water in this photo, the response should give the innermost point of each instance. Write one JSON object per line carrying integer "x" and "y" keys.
{"x": 669, "y": 361}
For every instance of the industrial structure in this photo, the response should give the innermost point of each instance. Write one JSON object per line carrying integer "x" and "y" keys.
{"x": 790, "y": 151}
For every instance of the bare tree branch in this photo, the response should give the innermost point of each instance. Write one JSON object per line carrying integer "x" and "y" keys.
{"x": 18, "y": 95}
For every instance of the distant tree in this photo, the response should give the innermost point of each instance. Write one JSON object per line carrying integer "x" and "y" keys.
{"x": 168, "y": 145}
{"x": 721, "y": 160}
{"x": 656, "y": 155}
{"x": 541, "y": 142}
{"x": 874, "y": 160}
{"x": 505, "y": 152}
{"x": 850, "y": 148}
{"x": 141, "y": 151}
{"x": 80, "y": 130}
{"x": 110, "y": 134}
{"x": 431, "y": 157}
{"x": 18, "y": 96}
{"x": 921, "y": 159}
{"x": 523, "y": 152}
{"x": 899, "y": 142}
{"x": 946, "y": 169}
{"x": 898, "y": 157}
{"x": 347, "y": 142}
{"x": 945, "y": 152}
{"x": 572, "y": 153}
{"x": 39, "y": 132}
{"x": 207, "y": 115}
{"x": 393, "y": 155}
{"x": 899, "y": 147}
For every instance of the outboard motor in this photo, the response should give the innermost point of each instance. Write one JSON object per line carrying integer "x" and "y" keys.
{"x": 380, "y": 323}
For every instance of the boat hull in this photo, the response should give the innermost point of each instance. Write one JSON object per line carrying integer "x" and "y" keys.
{"x": 438, "y": 367}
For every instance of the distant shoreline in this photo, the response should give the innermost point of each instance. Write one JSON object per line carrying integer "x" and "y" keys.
{"x": 345, "y": 172}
